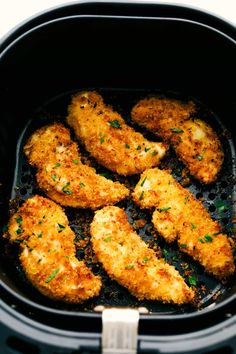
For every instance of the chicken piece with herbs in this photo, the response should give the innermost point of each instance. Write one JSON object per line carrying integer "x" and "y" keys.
{"x": 47, "y": 252}
{"x": 109, "y": 139}
{"x": 62, "y": 175}
{"x": 128, "y": 260}
{"x": 194, "y": 141}
{"x": 178, "y": 216}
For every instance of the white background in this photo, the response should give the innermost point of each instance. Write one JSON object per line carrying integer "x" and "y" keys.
{"x": 13, "y": 12}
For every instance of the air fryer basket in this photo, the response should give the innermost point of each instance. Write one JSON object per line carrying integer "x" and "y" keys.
{"x": 124, "y": 58}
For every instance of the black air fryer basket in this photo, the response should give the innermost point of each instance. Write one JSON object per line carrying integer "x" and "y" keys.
{"x": 125, "y": 51}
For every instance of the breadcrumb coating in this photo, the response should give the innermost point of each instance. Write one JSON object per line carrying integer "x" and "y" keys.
{"x": 179, "y": 216}
{"x": 194, "y": 141}
{"x": 128, "y": 260}
{"x": 109, "y": 139}
{"x": 47, "y": 252}
{"x": 62, "y": 175}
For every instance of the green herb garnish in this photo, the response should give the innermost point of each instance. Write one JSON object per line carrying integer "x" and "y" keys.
{"x": 54, "y": 177}
{"x": 115, "y": 124}
{"x": 164, "y": 209}
{"x": 76, "y": 161}
{"x": 61, "y": 227}
{"x": 130, "y": 266}
{"x": 147, "y": 149}
{"x": 144, "y": 180}
{"x": 183, "y": 245}
{"x": 107, "y": 239}
{"x": 57, "y": 164}
{"x": 127, "y": 146}
{"x": 66, "y": 190}
{"x": 40, "y": 234}
{"x": 220, "y": 205}
{"x": 52, "y": 275}
{"x": 141, "y": 195}
{"x": 200, "y": 157}
{"x": 82, "y": 184}
{"x": 138, "y": 147}
{"x": 193, "y": 226}
{"x": 208, "y": 238}
{"x": 176, "y": 130}
{"x": 192, "y": 280}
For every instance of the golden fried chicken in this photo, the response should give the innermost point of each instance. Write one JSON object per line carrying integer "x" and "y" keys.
{"x": 128, "y": 260}
{"x": 109, "y": 139}
{"x": 47, "y": 252}
{"x": 61, "y": 174}
{"x": 194, "y": 141}
{"x": 179, "y": 216}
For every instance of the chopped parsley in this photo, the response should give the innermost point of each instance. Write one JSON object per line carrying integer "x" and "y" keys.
{"x": 127, "y": 146}
{"x": 76, "y": 161}
{"x": 102, "y": 137}
{"x": 54, "y": 177}
{"x": 18, "y": 220}
{"x": 57, "y": 164}
{"x": 61, "y": 227}
{"x": 183, "y": 245}
{"x": 129, "y": 266}
{"x": 82, "y": 184}
{"x": 200, "y": 157}
{"x": 141, "y": 195}
{"x": 193, "y": 226}
{"x": 138, "y": 147}
{"x": 186, "y": 199}
{"x": 144, "y": 180}
{"x": 221, "y": 206}
{"x": 115, "y": 124}
{"x": 192, "y": 280}
{"x": 154, "y": 153}
{"x": 40, "y": 234}
{"x": 66, "y": 190}
{"x": 176, "y": 130}
{"x": 54, "y": 273}
{"x": 107, "y": 239}
{"x": 208, "y": 238}
{"x": 145, "y": 259}
{"x": 163, "y": 209}
{"x": 147, "y": 149}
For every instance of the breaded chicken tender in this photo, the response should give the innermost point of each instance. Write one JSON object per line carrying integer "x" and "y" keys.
{"x": 179, "y": 216}
{"x": 109, "y": 139}
{"x": 62, "y": 175}
{"x": 128, "y": 260}
{"x": 47, "y": 252}
{"x": 194, "y": 141}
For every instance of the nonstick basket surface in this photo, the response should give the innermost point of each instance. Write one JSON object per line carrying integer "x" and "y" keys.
{"x": 218, "y": 198}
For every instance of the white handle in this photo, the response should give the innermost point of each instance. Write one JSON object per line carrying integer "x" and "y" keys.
{"x": 120, "y": 331}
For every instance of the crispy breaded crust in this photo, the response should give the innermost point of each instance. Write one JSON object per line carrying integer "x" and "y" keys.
{"x": 109, "y": 139}
{"x": 61, "y": 174}
{"x": 194, "y": 141}
{"x": 129, "y": 261}
{"x": 179, "y": 216}
{"x": 48, "y": 252}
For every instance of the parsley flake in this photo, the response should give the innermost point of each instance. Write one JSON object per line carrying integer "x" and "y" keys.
{"x": 115, "y": 124}
{"x": 54, "y": 273}
{"x": 176, "y": 130}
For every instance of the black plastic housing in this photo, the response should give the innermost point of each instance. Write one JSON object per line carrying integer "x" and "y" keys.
{"x": 112, "y": 46}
